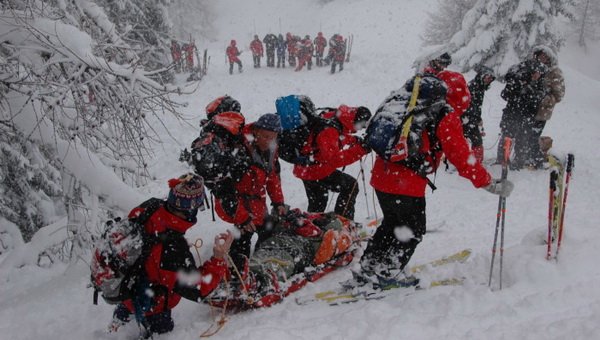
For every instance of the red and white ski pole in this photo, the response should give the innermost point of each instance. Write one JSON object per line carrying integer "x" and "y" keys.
{"x": 570, "y": 165}
{"x": 500, "y": 216}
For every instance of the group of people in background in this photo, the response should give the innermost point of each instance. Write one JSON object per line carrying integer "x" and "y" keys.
{"x": 183, "y": 56}
{"x": 248, "y": 168}
{"x": 298, "y": 51}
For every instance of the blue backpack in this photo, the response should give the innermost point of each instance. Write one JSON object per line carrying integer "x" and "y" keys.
{"x": 299, "y": 119}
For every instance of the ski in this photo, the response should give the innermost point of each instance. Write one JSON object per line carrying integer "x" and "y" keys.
{"x": 343, "y": 295}
{"x": 350, "y": 41}
{"x": 560, "y": 175}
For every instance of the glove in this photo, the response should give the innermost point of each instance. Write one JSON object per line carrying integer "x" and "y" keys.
{"x": 279, "y": 209}
{"x": 500, "y": 187}
{"x": 364, "y": 144}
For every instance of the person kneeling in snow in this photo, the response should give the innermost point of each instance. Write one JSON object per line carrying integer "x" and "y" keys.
{"x": 169, "y": 260}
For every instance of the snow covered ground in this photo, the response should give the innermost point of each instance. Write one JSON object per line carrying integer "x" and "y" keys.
{"x": 540, "y": 300}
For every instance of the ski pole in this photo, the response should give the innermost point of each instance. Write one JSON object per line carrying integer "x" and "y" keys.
{"x": 362, "y": 171}
{"x": 551, "y": 192}
{"x": 500, "y": 212}
{"x": 570, "y": 165}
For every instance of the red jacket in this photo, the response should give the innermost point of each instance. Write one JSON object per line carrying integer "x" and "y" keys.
{"x": 159, "y": 269}
{"x": 256, "y": 47}
{"x": 320, "y": 43}
{"x": 233, "y": 53}
{"x": 252, "y": 189}
{"x": 331, "y": 149}
{"x": 397, "y": 179}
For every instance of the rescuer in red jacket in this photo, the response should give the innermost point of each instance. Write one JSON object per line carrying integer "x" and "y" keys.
{"x": 245, "y": 205}
{"x": 233, "y": 54}
{"x": 329, "y": 148}
{"x": 401, "y": 190}
{"x": 256, "y": 46}
{"x": 171, "y": 257}
{"x": 320, "y": 44}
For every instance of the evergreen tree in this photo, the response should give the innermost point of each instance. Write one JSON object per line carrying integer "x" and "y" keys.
{"x": 499, "y": 33}
{"x": 445, "y": 21}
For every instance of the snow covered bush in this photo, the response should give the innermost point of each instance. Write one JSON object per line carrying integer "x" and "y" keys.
{"x": 75, "y": 103}
{"x": 445, "y": 21}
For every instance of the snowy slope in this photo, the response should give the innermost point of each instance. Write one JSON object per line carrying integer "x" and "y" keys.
{"x": 540, "y": 299}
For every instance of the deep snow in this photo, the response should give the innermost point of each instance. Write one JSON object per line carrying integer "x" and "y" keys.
{"x": 540, "y": 299}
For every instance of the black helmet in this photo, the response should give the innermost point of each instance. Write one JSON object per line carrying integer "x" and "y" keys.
{"x": 363, "y": 114}
{"x": 444, "y": 59}
{"x": 222, "y": 104}
{"x": 307, "y": 107}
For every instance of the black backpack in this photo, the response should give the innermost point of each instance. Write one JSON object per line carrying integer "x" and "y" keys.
{"x": 292, "y": 142}
{"x": 117, "y": 266}
{"x": 219, "y": 153}
{"x": 395, "y": 132}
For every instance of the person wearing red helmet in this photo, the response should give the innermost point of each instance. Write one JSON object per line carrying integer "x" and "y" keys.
{"x": 232, "y": 54}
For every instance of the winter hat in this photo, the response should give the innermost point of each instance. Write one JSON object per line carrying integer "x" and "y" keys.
{"x": 363, "y": 114}
{"x": 187, "y": 192}
{"x": 222, "y": 104}
{"x": 484, "y": 71}
{"x": 269, "y": 122}
{"x": 444, "y": 59}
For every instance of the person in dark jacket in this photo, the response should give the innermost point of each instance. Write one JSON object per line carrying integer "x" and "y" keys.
{"x": 171, "y": 256}
{"x": 553, "y": 84}
{"x": 472, "y": 122}
{"x": 337, "y": 52}
{"x": 523, "y": 93}
{"x": 330, "y": 148}
{"x": 281, "y": 48}
{"x": 401, "y": 190}
{"x": 270, "y": 41}
{"x": 245, "y": 203}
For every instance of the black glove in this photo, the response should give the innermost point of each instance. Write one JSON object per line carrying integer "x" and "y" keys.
{"x": 364, "y": 144}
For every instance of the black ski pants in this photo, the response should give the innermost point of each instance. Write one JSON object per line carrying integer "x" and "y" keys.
{"x": 396, "y": 239}
{"x": 318, "y": 193}
{"x": 256, "y": 59}
{"x": 239, "y": 63}
{"x": 270, "y": 58}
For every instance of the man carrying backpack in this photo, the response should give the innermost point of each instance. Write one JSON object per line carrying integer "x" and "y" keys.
{"x": 329, "y": 147}
{"x": 400, "y": 182}
{"x": 244, "y": 202}
{"x": 160, "y": 286}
